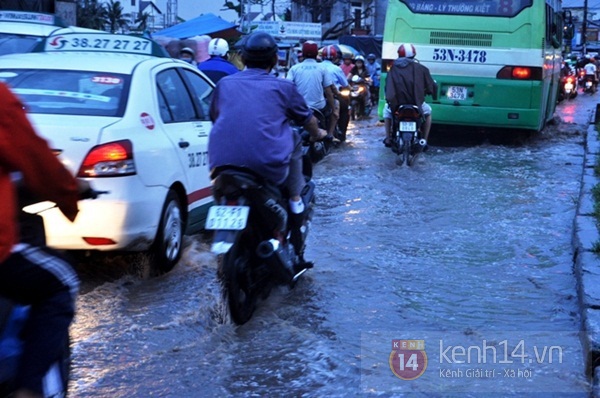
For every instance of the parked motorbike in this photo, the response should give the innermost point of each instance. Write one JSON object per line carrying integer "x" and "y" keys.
{"x": 253, "y": 238}
{"x": 358, "y": 92}
{"x": 407, "y": 140}
{"x": 13, "y": 316}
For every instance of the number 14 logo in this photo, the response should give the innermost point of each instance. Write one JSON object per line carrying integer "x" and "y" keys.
{"x": 408, "y": 359}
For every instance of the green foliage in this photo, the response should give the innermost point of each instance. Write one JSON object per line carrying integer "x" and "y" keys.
{"x": 91, "y": 14}
{"x": 115, "y": 16}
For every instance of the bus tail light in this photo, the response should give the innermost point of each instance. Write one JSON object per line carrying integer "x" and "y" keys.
{"x": 520, "y": 73}
{"x": 114, "y": 159}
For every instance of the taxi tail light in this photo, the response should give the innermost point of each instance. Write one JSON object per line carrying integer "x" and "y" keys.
{"x": 520, "y": 73}
{"x": 113, "y": 159}
{"x": 99, "y": 241}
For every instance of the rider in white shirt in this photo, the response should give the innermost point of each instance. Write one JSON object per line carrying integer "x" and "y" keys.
{"x": 591, "y": 72}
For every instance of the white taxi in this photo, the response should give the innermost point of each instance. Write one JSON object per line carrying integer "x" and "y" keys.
{"x": 21, "y": 31}
{"x": 121, "y": 114}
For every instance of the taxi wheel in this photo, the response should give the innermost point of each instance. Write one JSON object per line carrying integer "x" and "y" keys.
{"x": 167, "y": 247}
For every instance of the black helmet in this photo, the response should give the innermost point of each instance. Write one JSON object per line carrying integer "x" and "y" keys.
{"x": 259, "y": 49}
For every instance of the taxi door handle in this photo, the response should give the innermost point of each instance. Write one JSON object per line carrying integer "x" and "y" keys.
{"x": 183, "y": 144}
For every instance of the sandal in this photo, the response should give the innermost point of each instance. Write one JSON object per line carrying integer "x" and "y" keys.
{"x": 387, "y": 142}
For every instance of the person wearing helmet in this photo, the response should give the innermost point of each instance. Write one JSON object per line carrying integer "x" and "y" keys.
{"x": 359, "y": 69}
{"x": 591, "y": 73}
{"x": 374, "y": 69}
{"x": 330, "y": 56}
{"x": 188, "y": 55}
{"x": 217, "y": 66}
{"x": 407, "y": 83}
{"x": 251, "y": 113}
{"x": 314, "y": 83}
{"x": 347, "y": 64}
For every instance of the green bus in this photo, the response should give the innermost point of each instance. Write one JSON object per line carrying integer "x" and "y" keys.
{"x": 496, "y": 62}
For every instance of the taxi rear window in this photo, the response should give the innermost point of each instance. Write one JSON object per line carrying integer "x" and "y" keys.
{"x": 12, "y": 43}
{"x": 69, "y": 92}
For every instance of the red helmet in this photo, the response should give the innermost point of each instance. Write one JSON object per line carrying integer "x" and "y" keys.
{"x": 310, "y": 49}
{"x": 330, "y": 52}
{"x": 407, "y": 50}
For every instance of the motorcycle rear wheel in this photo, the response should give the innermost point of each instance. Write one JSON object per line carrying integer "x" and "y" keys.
{"x": 238, "y": 285}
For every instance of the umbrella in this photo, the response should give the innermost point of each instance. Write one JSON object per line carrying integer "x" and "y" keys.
{"x": 346, "y": 49}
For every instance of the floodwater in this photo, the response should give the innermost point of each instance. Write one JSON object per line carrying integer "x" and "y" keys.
{"x": 451, "y": 278}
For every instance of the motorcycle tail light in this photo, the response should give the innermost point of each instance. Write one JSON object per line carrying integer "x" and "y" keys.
{"x": 407, "y": 113}
{"x": 114, "y": 159}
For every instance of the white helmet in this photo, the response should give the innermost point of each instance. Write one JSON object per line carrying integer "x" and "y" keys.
{"x": 218, "y": 47}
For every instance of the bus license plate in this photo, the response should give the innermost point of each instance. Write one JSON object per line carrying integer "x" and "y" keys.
{"x": 457, "y": 93}
{"x": 227, "y": 217}
{"x": 408, "y": 126}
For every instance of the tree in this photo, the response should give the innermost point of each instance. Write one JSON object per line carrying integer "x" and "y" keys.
{"x": 115, "y": 16}
{"x": 142, "y": 21}
{"x": 230, "y": 5}
{"x": 91, "y": 14}
{"x": 317, "y": 8}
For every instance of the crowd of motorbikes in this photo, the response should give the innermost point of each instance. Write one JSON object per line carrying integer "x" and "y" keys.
{"x": 574, "y": 78}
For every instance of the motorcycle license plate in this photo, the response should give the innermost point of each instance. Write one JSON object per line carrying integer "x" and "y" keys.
{"x": 408, "y": 126}
{"x": 568, "y": 87}
{"x": 456, "y": 93}
{"x": 227, "y": 217}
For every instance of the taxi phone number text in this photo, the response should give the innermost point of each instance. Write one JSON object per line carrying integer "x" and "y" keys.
{"x": 108, "y": 44}
{"x": 458, "y": 55}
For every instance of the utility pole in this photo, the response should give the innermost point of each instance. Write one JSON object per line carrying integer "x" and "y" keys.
{"x": 584, "y": 27}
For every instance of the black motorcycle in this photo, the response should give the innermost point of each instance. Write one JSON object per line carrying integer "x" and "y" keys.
{"x": 13, "y": 316}
{"x": 589, "y": 85}
{"x": 407, "y": 140}
{"x": 253, "y": 237}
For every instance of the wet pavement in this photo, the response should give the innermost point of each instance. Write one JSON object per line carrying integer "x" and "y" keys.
{"x": 468, "y": 252}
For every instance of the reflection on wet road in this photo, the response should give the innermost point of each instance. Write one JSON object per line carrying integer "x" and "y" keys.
{"x": 472, "y": 244}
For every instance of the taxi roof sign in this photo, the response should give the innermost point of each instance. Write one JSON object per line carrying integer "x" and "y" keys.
{"x": 101, "y": 42}
{"x": 30, "y": 17}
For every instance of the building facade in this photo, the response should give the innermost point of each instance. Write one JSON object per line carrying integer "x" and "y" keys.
{"x": 342, "y": 17}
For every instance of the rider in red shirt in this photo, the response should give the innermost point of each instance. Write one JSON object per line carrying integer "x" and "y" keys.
{"x": 30, "y": 275}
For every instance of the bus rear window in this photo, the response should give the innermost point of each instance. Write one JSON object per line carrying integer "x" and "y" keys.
{"x": 488, "y": 8}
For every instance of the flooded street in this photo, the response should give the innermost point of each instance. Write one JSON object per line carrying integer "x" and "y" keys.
{"x": 468, "y": 252}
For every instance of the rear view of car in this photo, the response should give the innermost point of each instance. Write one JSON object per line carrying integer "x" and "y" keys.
{"x": 122, "y": 114}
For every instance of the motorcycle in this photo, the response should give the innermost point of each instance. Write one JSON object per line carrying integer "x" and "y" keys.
{"x": 358, "y": 92}
{"x": 13, "y": 316}
{"x": 568, "y": 88}
{"x": 588, "y": 85}
{"x": 407, "y": 140}
{"x": 252, "y": 236}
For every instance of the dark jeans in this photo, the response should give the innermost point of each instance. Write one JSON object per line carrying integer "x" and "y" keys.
{"x": 41, "y": 278}
{"x": 344, "y": 114}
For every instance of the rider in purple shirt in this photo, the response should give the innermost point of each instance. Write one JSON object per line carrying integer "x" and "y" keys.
{"x": 251, "y": 113}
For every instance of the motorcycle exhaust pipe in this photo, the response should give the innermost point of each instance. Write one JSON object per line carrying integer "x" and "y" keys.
{"x": 276, "y": 258}
{"x": 422, "y": 142}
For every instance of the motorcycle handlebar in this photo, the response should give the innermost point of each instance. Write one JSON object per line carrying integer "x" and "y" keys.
{"x": 27, "y": 198}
